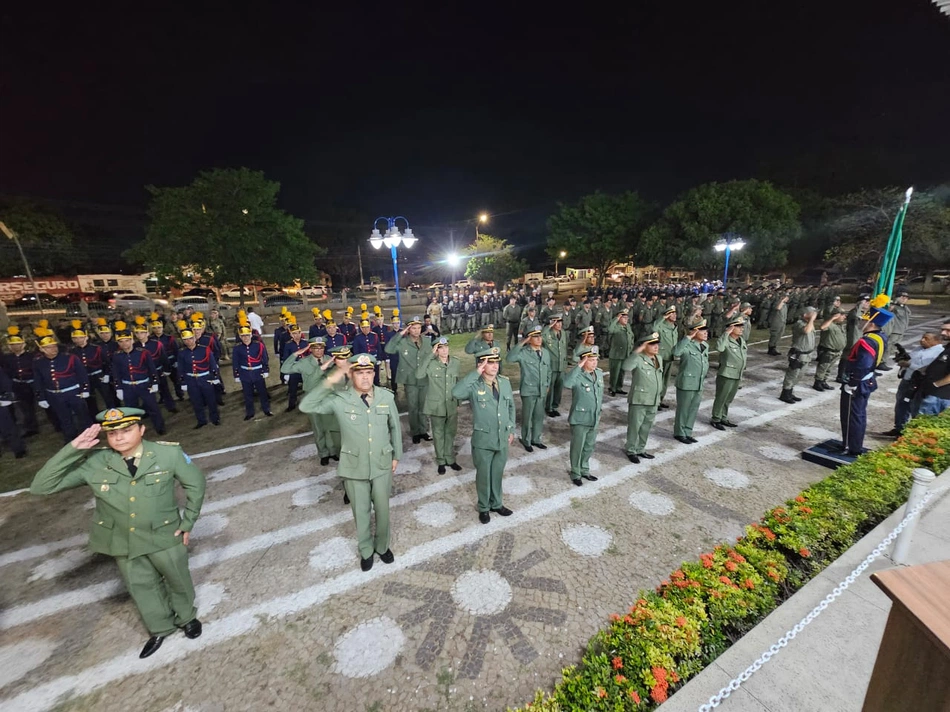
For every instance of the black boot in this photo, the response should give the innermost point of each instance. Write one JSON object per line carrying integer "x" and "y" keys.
{"x": 818, "y": 386}
{"x": 773, "y": 352}
{"x": 786, "y": 396}
{"x": 795, "y": 398}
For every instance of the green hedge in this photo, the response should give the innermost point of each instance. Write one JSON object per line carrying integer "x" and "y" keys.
{"x": 670, "y": 634}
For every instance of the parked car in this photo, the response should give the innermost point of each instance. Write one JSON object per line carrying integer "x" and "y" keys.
{"x": 73, "y": 297}
{"x": 135, "y": 302}
{"x": 112, "y": 294}
{"x": 200, "y": 292}
{"x": 269, "y": 291}
{"x": 282, "y": 300}
{"x": 203, "y": 304}
{"x": 236, "y": 294}
{"x": 29, "y": 301}
{"x": 312, "y": 291}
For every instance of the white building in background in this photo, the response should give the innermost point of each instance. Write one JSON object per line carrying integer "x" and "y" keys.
{"x": 136, "y": 283}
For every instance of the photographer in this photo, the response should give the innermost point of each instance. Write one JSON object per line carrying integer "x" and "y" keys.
{"x": 936, "y": 381}
{"x": 911, "y": 375}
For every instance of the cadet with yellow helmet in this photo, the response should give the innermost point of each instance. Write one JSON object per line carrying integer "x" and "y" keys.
{"x": 251, "y": 367}
{"x": 96, "y": 362}
{"x": 198, "y": 367}
{"x": 18, "y": 365}
{"x": 61, "y": 384}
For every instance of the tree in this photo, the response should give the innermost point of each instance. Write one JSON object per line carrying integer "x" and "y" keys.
{"x": 862, "y": 223}
{"x": 684, "y": 236}
{"x": 599, "y": 230}
{"x": 224, "y": 228}
{"x": 46, "y": 239}
{"x": 491, "y": 259}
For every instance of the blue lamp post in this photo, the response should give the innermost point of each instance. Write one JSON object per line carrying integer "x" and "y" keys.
{"x": 393, "y": 239}
{"x": 728, "y": 242}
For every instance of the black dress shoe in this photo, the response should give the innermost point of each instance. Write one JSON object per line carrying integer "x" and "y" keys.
{"x": 200, "y": 425}
{"x": 691, "y": 440}
{"x": 621, "y": 393}
{"x": 455, "y": 466}
{"x": 884, "y": 367}
{"x": 415, "y": 439}
{"x": 268, "y": 413}
{"x": 578, "y": 482}
{"x": 366, "y": 564}
{"x": 503, "y": 511}
{"x": 728, "y": 423}
{"x": 892, "y": 433}
{"x": 589, "y": 478}
{"x": 526, "y": 446}
{"x": 325, "y": 460}
{"x": 717, "y": 425}
{"x": 192, "y": 628}
{"x": 151, "y": 645}
{"x": 346, "y": 498}
{"x": 216, "y": 422}
{"x": 664, "y": 406}
{"x": 633, "y": 458}
{"x": 682, "y": 438}
{"x": 484, "y": 517}
{"x": 645, "y": 455}
{"x": 796, "y": 398}
{"x": 426, "y": 437}
{"x": 540, "y": 446}
{"x": 289, "y": 408}
{"x": 335, "y": 458}
{"x": 550, "y": 414}
{"x": 20, "y": 454}
{"x": 248, "y": 417}
{"x": 388, "y": 557}
{"x": 441, "y": 469}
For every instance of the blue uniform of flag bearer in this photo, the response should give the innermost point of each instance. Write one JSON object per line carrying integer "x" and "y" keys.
{"x": 198, "y": 369}
{"x": 860, "y": 379}
{"x": 250, "y": 362}
{"x": 61, "y": 384}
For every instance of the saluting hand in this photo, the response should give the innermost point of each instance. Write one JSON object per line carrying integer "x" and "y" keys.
{"x": 481, "y": 367}
{"x": 88, "y": 438}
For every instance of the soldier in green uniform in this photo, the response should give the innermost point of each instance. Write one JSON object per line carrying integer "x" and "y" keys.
{"x": 586, "y": 382}
{"x": 529, "y": 322}
{"x": 535, "y": 363}
{"x": 587, "y": 338}
{"x": 646, "y": 385}
{"x": 669, "y": 335}
{"x": 830, "y": 347}
{"x": 410, "y": 344}
{"x": 555, "y": 341}
{"x": 777, "y": 323}
{"x": 370, "y": 450}
{"x": 512, "y": 316}
{"x": 493, "y": 428}
{"x": 733, "y": 354}
{"x": 484, "y": 339}
{"x": 309, "y": 363}
{"x": 802, "y": 351}
{"x": 137, "y": 519}
{"x": 621, "y": 346}
{"x": 441, "y": 372}
{"x": 693, "y": 354}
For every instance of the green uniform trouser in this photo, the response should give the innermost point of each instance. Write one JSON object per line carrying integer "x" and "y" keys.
{"x": 726, "y": 389}
{"x": 366, "y": 495}
{"x": 793, "y": 374}
{"x": 826, "y": 362}
{"x": 639, "y": 424}
{"x": 583, "y": 438}
{"x": 616, "y": 374}
{"x": 667, "y": 368}
{"x": 160, "y": 584}
{"x": 489, "y": 467}
{"x": 444, "y": 429}
{"x": 532, "y": 418}
{"x": 326, "y": 440}
{"x": 416, "y": 395}
{"x": 687, "y": 406}
{"x": 553, "y": 399}
{"x": 775, "y": 336}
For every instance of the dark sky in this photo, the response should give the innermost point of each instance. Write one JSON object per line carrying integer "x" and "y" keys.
{"x": 438, "y": 113}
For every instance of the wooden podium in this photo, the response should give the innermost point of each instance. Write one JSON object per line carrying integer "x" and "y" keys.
{"x": 912, "y": 671}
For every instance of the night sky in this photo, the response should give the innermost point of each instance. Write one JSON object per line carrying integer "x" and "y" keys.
{"x": 439, "y": 113}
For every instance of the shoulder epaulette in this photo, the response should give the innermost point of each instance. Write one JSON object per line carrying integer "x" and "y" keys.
{"x": 167, "y": 442}
{"x": 505, "y": 377}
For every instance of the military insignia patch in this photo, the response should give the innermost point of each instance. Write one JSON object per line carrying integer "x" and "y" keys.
{"x": 363, "y": 360}
{"x": 104, "y": 488}
{"x": 112, "y": 415}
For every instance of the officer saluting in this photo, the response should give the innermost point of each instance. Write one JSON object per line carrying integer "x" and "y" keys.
{"x": 370, "y": 449}
{"x": 137, "y": 519}
{"x": 441, "y": 372}
{"x": 586, "y": 382}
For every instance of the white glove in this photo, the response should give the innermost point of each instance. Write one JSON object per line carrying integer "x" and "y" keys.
{"x": 43, "y": 404}
{"x": 265, "y": 375}
{"x": 215, "y": 382}
{"x": 153, "y": 389}
{"x": 848, "y": 389}
{"x": 184, "y": 388}
{"x": 119, "y": 394}
{"x": 4, "y": 403}
{"x": 284, "y": 378}
{"x": 105, "y": 379}
{"x": 83, "y": 395}
{"x": 237, "y": 380}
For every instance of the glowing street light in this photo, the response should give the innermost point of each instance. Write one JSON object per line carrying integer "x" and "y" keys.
{"x": 560, "y": 256}
{"x": 393, "y": 239}
{"x": 483, "y": 219}
{"x": 728, "y": 242}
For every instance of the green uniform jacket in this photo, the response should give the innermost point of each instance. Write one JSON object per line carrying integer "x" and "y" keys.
{"x": 370, "y": 438}
{"x": 855, "y": 325}
{"x": 803, "y": 342}
{"x": 694, "y": 364}
{"x": 309, "y": 369}
{"x": 733, "y": 354}
{"x": 492, "y": 421}
{"x": 668, "y": 336}
{"x": 621, "y": 341}
{"x": 409, "y": 357}
{"x": 646, "y": 379}
{"x": 535, "y": 372}
{"x": 583, "y": 318}
{"x": 557, "y": 348}
{"x": 833, "y": 337}
{"x": 442, "y": 378}
{"x": 587, "y": 396}
{"x": 778, "y": 316}
{"x": 528, "y": 324}
{"x": 512, "y": 312}
{"x": 134, "y": 515}
{"x": 476, "y": 344}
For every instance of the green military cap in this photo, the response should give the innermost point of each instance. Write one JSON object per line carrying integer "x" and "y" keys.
{"x": 535, "y": 331}
{"x": 118, "y": 418}
{"x": 591, "y": 350}
{"x": 670, "y": 309}
{"x": 696, "y": 325}
{"x": 555, "y": 317}
{"x": 342, "y": 352}
{"x": 837, "y": 310}
{"x": 442, "y": 341}
{"x": 362, "y": 362}
{"x": 737, "y": 321}
{"x": 745, "y": 305}
{"x": 488, "y": 327}
{"x": 587, "y": 330}
{"x": 492, "y": 354}
{"x": 317, "y": 341}
{"x": 649, "y": 338}
{"x": 414, "y": 320}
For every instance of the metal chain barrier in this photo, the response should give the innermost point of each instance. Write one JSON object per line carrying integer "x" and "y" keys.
{"x": 718, "y": 698}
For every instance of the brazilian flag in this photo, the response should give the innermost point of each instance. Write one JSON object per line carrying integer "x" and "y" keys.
{"x": 885, "y": 278}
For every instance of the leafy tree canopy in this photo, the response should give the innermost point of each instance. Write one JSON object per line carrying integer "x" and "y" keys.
{"x": 46, "y": 239}
{"x": 491, "y": 259}
{"x": 224, "y": 228}
{"x": 599, "y": 230}
{"x": 684, "y": 236}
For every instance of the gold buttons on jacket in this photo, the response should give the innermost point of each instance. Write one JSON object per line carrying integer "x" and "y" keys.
{"x": 132, "y": 515}
{"x": 131, "y": 499}
{"x": 131, "y": 529}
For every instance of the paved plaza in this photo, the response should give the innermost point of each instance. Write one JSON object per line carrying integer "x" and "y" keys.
{"x": 469, "y": 616}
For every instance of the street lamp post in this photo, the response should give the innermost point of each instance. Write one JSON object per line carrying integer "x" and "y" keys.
{"x": 26, "y": 265}
{"x": 453, "y": 261}
{"x": 483, "y": 218}
{"x": 393, "y": 239}
{"x": 560, "y": 256}
{"x": 728, "y": 242}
